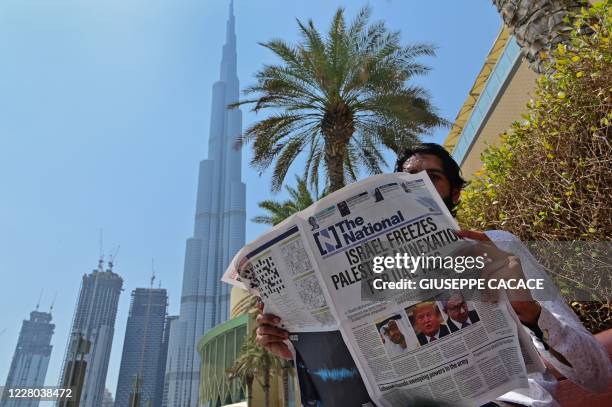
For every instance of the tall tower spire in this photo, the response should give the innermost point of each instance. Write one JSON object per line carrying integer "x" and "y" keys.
{"x": 218, "y": 233}
{"x": 228, "y": 72}
{"x": 230, "y": 34}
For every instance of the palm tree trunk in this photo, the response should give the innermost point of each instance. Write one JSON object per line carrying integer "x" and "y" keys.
{"x": 538, "y": 25}
{"x": 338, "y": 127}
{"x": 285, "y": 385}
{"x": 266, "y": 383}
{"x": 334, "y": 159}
{"x": 249, "y": 386}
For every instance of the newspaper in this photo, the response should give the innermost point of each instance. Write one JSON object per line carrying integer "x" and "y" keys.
{"x": 315, "y": 271}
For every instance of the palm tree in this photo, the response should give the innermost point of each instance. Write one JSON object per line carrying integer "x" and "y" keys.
{"x": 287, "y": 371}
{"x": 245, "y": 367}
{"x": 300, "y": 199}
{"x": 256, "y": 363}
{"x": 538, "y": 25}
{"x": 338, "y": 99}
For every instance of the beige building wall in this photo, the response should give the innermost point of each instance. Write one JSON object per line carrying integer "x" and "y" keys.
{"x": 239, "y": 302}
{"x": 508, "y": 105}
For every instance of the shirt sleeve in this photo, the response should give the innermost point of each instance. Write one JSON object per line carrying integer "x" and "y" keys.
{"x": 589, "y": 363}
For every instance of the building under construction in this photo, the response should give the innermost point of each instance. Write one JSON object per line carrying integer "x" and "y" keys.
{"x": 91, "y": 337}
{"x": 31, "y": 358}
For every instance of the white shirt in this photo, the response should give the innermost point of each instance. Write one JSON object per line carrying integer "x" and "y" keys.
{"x": 437, "y": 336}
{"x": 590, "y": 362}
{"x": 394, "y": 348}
{"x": 459, "y": 325}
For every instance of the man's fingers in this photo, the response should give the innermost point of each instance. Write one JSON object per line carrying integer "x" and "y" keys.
{"x": 266, "y": 340}
{"x": 267, "y": 330}
{"x": 274, "y": 345}
{"x": 484, "y": 245}
{"x": 472, "y": 234}
{"x": 268, "y": 319}
{"x": 476, "y": 248}
{"x": 268, "y": 333}
{"x": 506, "y": 268}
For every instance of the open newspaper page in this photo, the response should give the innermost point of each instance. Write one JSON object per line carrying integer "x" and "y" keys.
{"x": 319, "y": 271}
{"x": 277, "y": 268}
{"x": 404, "y": 342}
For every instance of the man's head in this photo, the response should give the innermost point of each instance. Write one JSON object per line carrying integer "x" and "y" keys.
{"x": 456, "y": 308}
{"x": 394, "y": 333}
{"x": 427, "y": 318}
{"x": 444, "y": 172}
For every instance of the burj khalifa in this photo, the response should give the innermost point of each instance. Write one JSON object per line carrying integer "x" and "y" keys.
{"x": 218, "y": 233}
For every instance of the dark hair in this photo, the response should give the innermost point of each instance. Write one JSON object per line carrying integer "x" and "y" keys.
{"x": 450, "y": 166}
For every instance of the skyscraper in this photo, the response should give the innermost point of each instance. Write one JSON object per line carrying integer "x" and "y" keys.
{"x": 91, "y": 336}
{"x": 161, "y": 379}
{"x": 218, "y": 234}
{"x": 143, "y": 349}
{"x": 107, "y": 399}
{"x": 31, "y": 358}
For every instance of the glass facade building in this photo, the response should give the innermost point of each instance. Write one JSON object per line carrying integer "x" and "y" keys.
{"x": 144, "y": 350}
{"x": 91, "y": 335}
{"x": 31, "y": 358}
{"x": 218, "y": 349}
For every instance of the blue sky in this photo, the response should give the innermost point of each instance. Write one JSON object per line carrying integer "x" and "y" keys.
{"x": 104, "y": 115}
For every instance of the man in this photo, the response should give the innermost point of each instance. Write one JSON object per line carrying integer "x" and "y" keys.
{"x": 393, "y": 338}
{"x": 562, "y": 341}
{"x": 459, "y": 316}
{"x": 427, "y": 322}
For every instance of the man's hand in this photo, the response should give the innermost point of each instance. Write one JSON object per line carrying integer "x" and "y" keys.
{"x": 270, "y": 336}
{"x": 504, "y": 265}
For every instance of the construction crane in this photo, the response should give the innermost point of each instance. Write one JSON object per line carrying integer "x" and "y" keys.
{"x": 53, "y": 302}
{"x": 112, "y": 258}
{"x": 39, "y": 298}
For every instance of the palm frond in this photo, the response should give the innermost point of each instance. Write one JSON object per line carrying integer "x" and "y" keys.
{"x": 349, "y": 86}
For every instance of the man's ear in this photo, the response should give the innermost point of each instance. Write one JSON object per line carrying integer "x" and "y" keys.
{"x": 455, "y": 194}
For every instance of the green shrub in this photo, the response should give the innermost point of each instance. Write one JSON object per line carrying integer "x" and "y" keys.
{"x": 550, "y": 178}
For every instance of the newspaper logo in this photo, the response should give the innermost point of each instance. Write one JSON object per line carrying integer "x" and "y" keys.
{"x": 352, "y": 231}
{"x": 327, "y": 242}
